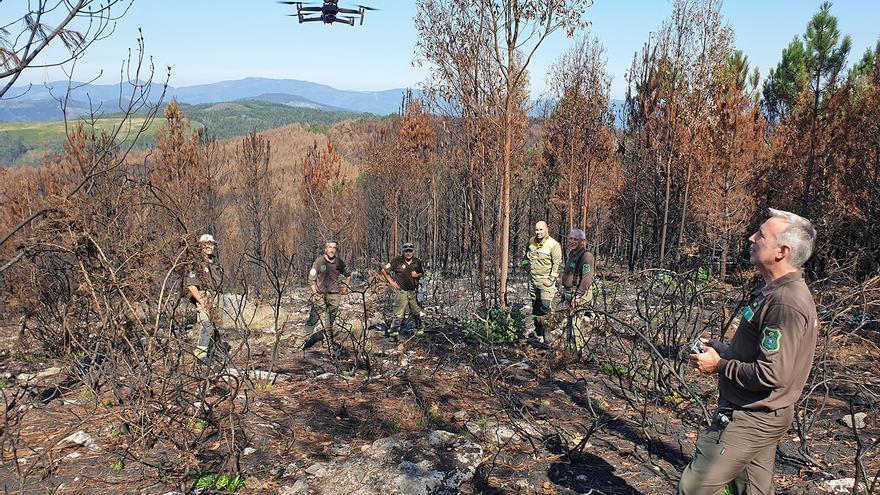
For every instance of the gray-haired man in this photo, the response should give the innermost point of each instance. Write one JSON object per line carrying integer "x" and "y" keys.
{"x": 763, "y": 370}
{"x": 577, "y": 283}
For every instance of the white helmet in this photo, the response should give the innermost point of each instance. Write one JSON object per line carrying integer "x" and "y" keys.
{"x": 207, "y": 238}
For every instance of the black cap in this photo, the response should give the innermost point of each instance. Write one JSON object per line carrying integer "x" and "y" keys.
{"x": 407, "y": 246}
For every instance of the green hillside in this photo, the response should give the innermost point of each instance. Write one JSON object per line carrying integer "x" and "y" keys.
{"x": 26, "y": 143}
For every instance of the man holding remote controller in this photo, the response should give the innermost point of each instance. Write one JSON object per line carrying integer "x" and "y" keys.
{"x": 763, "y": 370}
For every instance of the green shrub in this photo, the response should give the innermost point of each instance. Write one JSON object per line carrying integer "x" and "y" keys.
{"x": 703, "y": 276}
{"x": 615, "y": 370}
{"x": 220, "y": 482}
{"x": 497, "y": 325}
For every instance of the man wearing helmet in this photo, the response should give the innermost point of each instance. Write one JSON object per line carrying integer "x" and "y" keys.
{"x": 203, "y": 285}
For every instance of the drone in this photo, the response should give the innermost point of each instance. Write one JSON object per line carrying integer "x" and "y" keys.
{"x": 328, "y": 13}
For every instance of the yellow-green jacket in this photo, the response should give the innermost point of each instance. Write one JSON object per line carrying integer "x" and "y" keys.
{"x": 543, "y": 260}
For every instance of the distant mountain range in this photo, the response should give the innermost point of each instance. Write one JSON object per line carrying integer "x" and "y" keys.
{"x": 37, "y": 103}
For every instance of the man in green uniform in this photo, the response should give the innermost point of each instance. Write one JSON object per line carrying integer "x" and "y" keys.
{"x": 203, "y": 288}
{"x": 543, "y": 259}
{"x": 329, "y": 278}
{"x": 762, "y": 370}
{"x": 577, "y": 281}
{"x": 407, "y": 271}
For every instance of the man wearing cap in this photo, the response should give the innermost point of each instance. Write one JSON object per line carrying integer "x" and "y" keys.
{"x": 577, "y": 279}
{"x": 203, "y": 287}
{"x": 542, "y": 259}
{"x": 329, "y": 278}
{"x": 762, "y": 370}
{"x": 407, "y": 271}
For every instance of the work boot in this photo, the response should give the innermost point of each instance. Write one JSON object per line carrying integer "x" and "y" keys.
{"x": 394, "y": 331}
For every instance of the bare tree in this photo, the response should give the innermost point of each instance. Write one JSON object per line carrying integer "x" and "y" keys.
{"x": 76, "y": 24}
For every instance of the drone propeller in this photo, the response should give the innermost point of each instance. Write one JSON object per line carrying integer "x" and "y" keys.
{"x": 366, "y": 8}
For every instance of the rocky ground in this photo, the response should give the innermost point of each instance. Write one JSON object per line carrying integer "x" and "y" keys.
{"x": 432, "y": 414}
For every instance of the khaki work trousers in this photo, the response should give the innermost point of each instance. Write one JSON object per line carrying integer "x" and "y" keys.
{"x": 580, "y": 317}
{"x": 326, "y": 305}
{"x": 742, "y": 454}
{"x": 542, "y": 302}
{"x": 406, "y": 299}
{"x": 207, "y": 335}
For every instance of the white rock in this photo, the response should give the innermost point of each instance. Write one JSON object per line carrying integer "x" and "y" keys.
{"x": 49, "y": 372}
{"x": 290, "y": 470}
{"x": 460, "y": 416}
{"x": 843, "y": 485}
{"x": 474, "y": 429}
{"x": 857, "y": 418}
{"x": 249, "y": 450}
{"x": 82, "y": 438}
{"x": 502, "y": 434}
{"x": 324, "y": 376}
{"x": 301, "y": 487}
{"x": 318, "y": 470}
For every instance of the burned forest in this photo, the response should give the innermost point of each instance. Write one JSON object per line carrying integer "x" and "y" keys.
{"x": 106, "y": 387}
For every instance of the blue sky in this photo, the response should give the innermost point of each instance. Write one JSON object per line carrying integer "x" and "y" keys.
{"x": 213, "y": 40}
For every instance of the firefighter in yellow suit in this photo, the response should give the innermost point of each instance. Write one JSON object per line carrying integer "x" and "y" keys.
{"x": 543, "y": 260}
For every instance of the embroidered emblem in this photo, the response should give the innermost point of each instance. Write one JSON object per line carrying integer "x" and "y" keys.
{"x": 585, "y": 269}
{"x": 313, "y": 272}
{"x": 323, "y": 268}
{"x": 748, "y": 314}
{"x": 403, "y": 267}
{"x": 771, "y": 339}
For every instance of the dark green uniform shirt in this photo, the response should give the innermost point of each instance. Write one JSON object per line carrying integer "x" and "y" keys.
{"x": 766, "y": 364}
{"x": 328, "y": 274}
{"x": 579, "y": 271}
{"x": 208, "y": 278}
{"x": 403, "y": 269}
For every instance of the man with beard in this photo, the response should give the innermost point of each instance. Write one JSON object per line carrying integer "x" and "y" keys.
{"x": 329, "y": 278}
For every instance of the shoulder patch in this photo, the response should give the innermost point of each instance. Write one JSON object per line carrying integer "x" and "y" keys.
{"x": 313, "y": 272}
{"x": 585, "y": 269}
{"x": 748, "y": 314}
{"x": 323, "y": 268}
{"x": 771, "y": 339}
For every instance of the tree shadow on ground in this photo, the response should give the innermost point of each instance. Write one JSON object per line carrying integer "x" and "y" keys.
{"x": 668, "y": 452}
{"x": 585, "y": 472}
